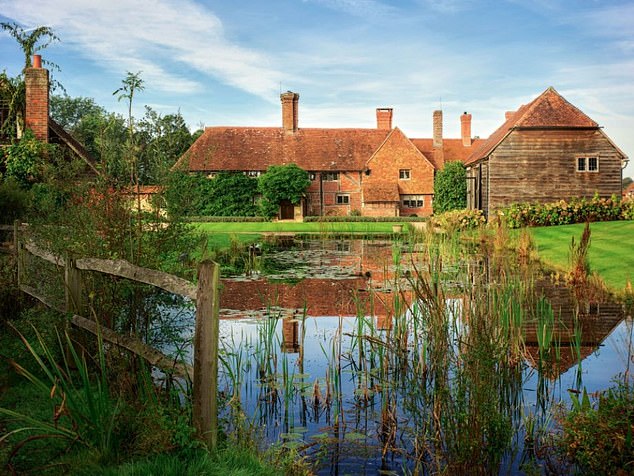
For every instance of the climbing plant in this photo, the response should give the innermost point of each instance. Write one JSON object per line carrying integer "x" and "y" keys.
{"x": 279, "y": 183}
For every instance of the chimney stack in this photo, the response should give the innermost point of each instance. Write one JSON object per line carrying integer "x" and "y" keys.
{"x": 290, "y": 106}
{"x": 384, "y": 118}
{"x": 465, "y": 127}
{"x": 37, "y": 100}
{"x": 437, "y": 142}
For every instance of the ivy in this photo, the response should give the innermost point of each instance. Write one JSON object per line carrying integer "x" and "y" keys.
{"x": 25, "y": 159}
{"x": 280, "y": 183}
{"x": 450, "y": 188}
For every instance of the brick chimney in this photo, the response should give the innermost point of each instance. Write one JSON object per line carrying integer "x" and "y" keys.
{"x": 290, "y": 106}
{"x": 465, "y": 128}
{"x": 37, "y": 108}
{"x": 384, "y": 118}
{"x": 437, "y": 143}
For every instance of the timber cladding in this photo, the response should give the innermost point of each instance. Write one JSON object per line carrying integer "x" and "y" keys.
{"x": 541, "y": 166}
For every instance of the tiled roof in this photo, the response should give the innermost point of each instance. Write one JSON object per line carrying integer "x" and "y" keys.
{"x": 231, "y": 148}
{"x": 548, "y": 110}
{"x": 381, "y": 192}
{"x": 452, "y": 150}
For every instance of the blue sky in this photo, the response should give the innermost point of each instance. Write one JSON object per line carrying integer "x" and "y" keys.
{"x": 225, "y": 63}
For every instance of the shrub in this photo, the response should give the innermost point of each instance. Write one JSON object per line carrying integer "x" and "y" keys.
{"x": 14, "y": 201}
{"x": 567, "y": 212}
{"x": 600, "y": 439}
{"x": 280, "y": 183}
{"x": 458, "y": 220}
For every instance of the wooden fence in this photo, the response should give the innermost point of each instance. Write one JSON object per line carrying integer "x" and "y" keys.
{"x": 204, "y": 373}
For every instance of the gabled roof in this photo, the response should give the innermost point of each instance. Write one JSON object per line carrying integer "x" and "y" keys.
{"x": 394, "y": 135}
{"x": 256, "y": 148}
{"x": 453, "y": 150}
{"x": 548, "y": 111}
{"x": 72, "y": 143}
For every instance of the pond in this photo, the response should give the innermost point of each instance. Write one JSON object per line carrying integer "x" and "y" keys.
{"x": 389, "y": 357}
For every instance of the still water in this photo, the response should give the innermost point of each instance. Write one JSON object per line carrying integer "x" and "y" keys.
{"x": 333, "y": 348}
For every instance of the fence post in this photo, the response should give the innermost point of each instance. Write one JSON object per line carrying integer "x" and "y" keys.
{"x": 72, "y": 287}
{"x": 206, "y": 354}
{"x": 19, "y": 252}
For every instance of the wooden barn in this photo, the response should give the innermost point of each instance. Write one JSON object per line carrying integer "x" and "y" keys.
{"x": 546, "y": 151}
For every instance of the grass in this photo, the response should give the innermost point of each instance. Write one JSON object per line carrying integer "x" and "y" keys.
{"x": 610, "y": 249}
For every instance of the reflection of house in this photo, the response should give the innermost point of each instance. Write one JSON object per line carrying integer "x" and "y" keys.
{"x": 37, "y": 118}
{"x": 595, "y": 322}
{"x": 373, "y": 171}
{"x": 546, "y": 151}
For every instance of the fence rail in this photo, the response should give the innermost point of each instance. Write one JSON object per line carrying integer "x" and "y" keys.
{"x": 204, "y": 373}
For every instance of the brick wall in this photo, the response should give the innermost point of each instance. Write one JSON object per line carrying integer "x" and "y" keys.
{"x": 37, "y": 108}
{"x": 398, "y": 153}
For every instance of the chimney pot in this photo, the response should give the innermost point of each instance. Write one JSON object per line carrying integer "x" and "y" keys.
{"x": 384, "y": 118}
{"x": 37, "y": 61}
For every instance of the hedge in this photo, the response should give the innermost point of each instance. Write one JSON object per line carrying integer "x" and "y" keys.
{"x": 349, "y": 219}
{"x": 201, "y": 219}
{"x": 565, "y": 213}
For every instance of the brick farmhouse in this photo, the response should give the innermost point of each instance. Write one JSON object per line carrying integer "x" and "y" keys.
{"x": 375, "y": 172}
{"x": 545, "y": 151}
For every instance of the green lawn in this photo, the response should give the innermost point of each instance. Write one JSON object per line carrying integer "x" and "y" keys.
{"x": 611, "y": 249}
{"x": 298, "y": 227}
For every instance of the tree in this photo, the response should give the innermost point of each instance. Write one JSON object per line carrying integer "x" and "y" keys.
{"x": 29, "y": 39}
{"x": 279, "y": 183}
{"x": 626, "y": 182}
{"x": 161, "y": 141}
{"x": 131, "y": 84}
{"x": 450, "y": 188}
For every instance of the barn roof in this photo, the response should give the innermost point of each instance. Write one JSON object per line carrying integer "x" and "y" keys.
{"x": 548, "y": 111}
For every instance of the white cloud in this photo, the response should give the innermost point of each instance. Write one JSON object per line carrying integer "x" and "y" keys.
{"x": 361, "y": 8}
{"x": 158, "y": 37}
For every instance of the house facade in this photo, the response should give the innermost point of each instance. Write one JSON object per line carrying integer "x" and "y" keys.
{"x": 545, "y": 151}
{"x": 372, "y": 172}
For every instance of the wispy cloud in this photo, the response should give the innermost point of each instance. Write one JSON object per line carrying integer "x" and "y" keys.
{"x": 360, "y": 8}
{"x": 163, "y": 38}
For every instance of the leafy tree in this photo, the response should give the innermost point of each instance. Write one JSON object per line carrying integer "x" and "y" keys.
{"x": 279, "y": 183}
{"x": 25, "y": 159}
{"x": 29, "y": 39}
{"x": 450, "y": 188}
{"x": 69, "y": 112}
{"x": 627, "y": 181}
{"x": 161, "y": 140}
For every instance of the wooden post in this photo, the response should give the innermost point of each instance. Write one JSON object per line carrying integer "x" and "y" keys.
{"x": 72, "y": 287}
{"x": 206, "y": 354}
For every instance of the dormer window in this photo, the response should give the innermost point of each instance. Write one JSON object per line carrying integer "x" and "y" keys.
{"x": 404, "y": 174}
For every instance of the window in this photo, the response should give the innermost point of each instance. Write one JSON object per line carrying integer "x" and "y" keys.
{"x": 413, "y": 201}
{"x": 252, "y": 173}
{"x": 312, "y": 176}
{"x": 343, "y": 199}
{"x": 403, "y": 174}
{"x": 330, "y": 176}
{"x": 587, "y": 164}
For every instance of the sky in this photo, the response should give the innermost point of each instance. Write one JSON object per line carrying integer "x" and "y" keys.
{"x": 226, "y": 62}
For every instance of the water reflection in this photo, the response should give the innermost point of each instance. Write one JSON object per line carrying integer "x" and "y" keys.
{"x": 336, "y": 348}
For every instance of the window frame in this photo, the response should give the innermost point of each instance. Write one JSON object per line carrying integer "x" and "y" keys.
{"x": 584, "y": 165}
{"x": 412, "y": 201}
{"x": 342, "y": 199}
{"x": 404, "y": 174}
{"x": 330, "y": 176}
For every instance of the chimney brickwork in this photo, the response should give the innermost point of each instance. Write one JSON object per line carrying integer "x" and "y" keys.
{"x": 465, "y": 128}
{"x": 37, "y": 99}
{"x": 290, "y": 106}
{"x": 437, "y": 141}
{"x": 384, "y": 118}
